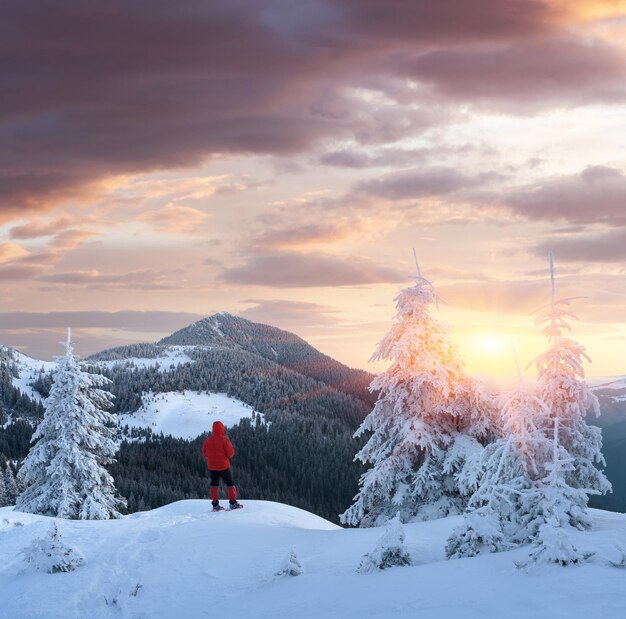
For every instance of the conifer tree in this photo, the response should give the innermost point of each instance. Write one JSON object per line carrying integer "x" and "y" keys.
{"x": 4, "y": 498}
{"x": 64, "y": 471}
{"x": 562, "y": 386}
{"x": 504, "y": 494}
{"x": 537, "y": 476}
{"x": 10, "y": 485}
{"x": 390, "y": 550}
{"x": 427, "y": 421}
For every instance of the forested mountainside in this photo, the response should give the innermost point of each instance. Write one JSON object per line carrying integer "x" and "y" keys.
{"x": 613, "y": 423}
{"x": 278, "y": 346}
{"x": 301, "y": 454}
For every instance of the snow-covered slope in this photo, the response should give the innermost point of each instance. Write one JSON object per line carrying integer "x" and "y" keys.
{"x": 170, "y": 356}
{"x": 184, "y": 561}
{"x": 28, "y": 370}
{"x": 186, "y": 414}
{"x": 608, "y": 382}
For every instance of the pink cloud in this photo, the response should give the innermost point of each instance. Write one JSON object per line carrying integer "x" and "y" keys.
{"x": 304, "y": 270}
{"x": 92, "y": 93}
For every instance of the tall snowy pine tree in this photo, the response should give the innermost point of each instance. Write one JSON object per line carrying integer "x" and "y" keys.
{"x": 563, "y": 388}
{"x": 64, "y": 471}
{"x": 571, "y": 474}
{"x": 426, "y": 424}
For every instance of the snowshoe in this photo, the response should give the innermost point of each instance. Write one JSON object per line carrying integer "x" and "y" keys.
{"x": 235, "y": 505}
{"x": 218, "y": 508}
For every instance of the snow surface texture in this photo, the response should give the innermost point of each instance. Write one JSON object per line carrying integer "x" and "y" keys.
{"x": 184, "y": 561}
{"x": 186, "y": 414}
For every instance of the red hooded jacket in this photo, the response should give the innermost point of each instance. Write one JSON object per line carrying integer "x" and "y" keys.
{"x": 217, "y": 449}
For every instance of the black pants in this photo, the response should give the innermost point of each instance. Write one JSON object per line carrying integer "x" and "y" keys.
{"x": 226, "y": 475}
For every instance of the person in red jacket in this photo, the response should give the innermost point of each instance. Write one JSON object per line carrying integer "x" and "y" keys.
{"x": 218, "y": 450}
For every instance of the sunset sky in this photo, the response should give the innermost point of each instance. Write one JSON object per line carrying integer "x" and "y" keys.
{"x": 279, "y": 159}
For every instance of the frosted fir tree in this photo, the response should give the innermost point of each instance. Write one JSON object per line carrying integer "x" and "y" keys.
{"x": 562, "y": 386}
{"x": 390, "y": 551}
{"x": 425, "y": 404}
{"x": 558, "y": 507}
{"x": 4, "y": 499}
{"x": 499, "y": 509}
{"x": 64, "y": 472}
{"x": 291, "y": 566}
{"x": 51, "y": 555}
{"x": 10, "y": 485}
{"x": 570, "y": 475}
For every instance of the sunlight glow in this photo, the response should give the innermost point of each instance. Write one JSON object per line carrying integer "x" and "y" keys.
{"x": 490, "y": 345}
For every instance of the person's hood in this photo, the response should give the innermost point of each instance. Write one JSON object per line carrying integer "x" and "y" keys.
{"x": 218, "y": 428}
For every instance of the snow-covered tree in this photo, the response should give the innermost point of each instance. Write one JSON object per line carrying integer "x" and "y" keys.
{"x": 480, "y": 532}
{"x": 557, "y": 508}
{"x": 503, "y": 479}
{"x": 425, "y": 403}
{"x": 562, "y": 386}
{"x": 291, "y": 566}
{"x": 51, "y": 555}
{"x": 390, "y": 551}
{"x": 10, "y": 485}
{"x": 64, "y": 472}
{"x": 535, "y": 479}
{"x": 4, "y": 500}
{"x": 570, "y": 475}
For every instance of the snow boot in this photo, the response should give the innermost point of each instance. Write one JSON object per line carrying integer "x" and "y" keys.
{"x": 216, "y": 506}
{"x": 235, "y": 505}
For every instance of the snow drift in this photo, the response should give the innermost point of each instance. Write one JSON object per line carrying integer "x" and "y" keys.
{"x": 183, "y": 561}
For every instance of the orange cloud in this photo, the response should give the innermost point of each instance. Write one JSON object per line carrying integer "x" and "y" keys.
{"x": 11, "y": 251}
{"x": 176, "y": 220}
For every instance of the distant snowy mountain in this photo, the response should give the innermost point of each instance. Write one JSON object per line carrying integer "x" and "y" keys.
{"x": 183, "y": 561}
{"x": 223, "y": 330}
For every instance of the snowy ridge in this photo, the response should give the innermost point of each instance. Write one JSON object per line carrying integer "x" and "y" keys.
{"x": 186, "y": 414}
{"x": 172, "y": 356}
{"x": 184, "y": 561}
{"x": 28, "y": 370}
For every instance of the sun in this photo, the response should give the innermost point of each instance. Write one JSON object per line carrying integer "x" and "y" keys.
{"x": 490, "y": 345}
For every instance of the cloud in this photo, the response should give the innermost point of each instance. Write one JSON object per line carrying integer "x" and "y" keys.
{"x": 510, "y": 297}
{"x": 290, "y": 314}
{"x": 36, "y": 229}
{"x": 604, "y": 295}
{"x": 177, "y": 220}
{"x": 603, "y": 247}
{"x": 90, "y": 94}
{"x": 19, "y": 272}
{"x": 11, "y": 251}
{"x": 71, "y": 239}
{"x": 304, "y": 234}
{"x": 595, "y": 195}
{"x": 140, "y": 279}
{"x": 38, "y": 334}
{"x": 329, "y": 230}
{"x": 445, "y": 21}
{"x": 127, "y": 320}
{"x": 417, "y": 183}
{"x": 359, "y": 158}
{"x": 304, "y": 270}
{"x": 541, "y": 72}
